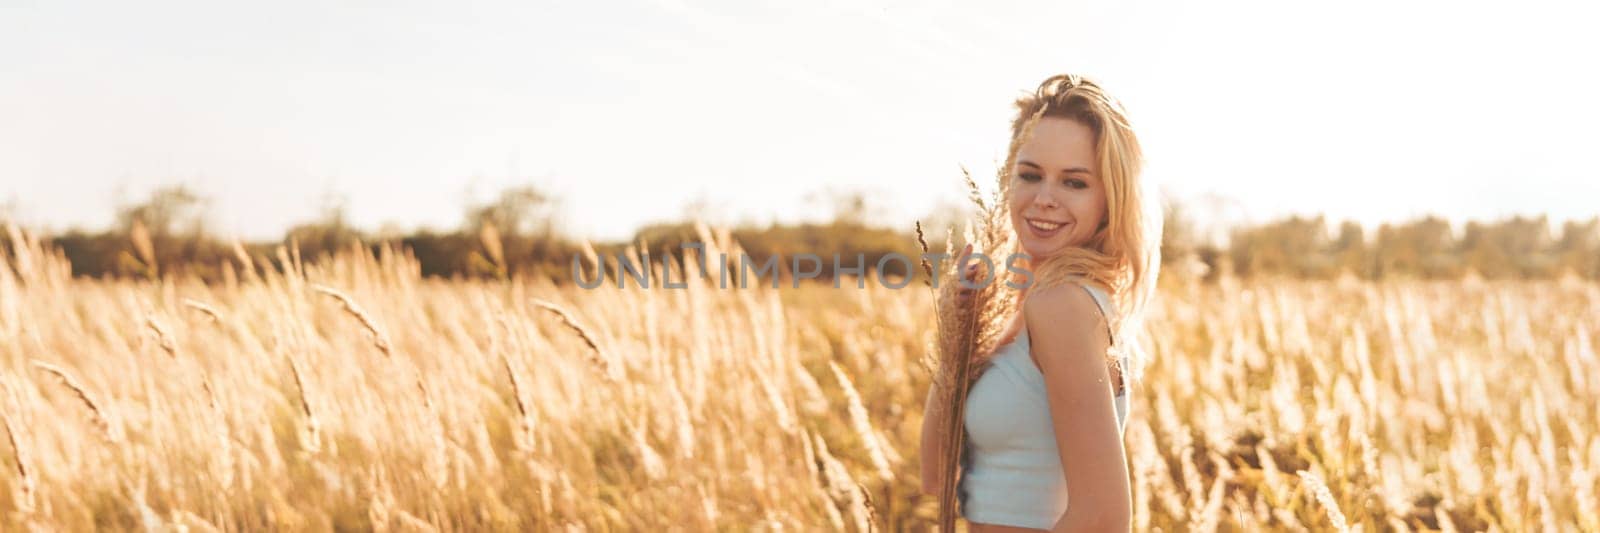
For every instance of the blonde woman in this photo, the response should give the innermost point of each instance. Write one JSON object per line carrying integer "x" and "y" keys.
{"x": 1044, "y": 418}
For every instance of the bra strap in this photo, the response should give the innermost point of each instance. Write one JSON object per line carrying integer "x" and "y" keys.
{"x": 1105, "y": 313}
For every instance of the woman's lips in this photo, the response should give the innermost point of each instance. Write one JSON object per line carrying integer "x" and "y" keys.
{"x": 1044, "y": 229}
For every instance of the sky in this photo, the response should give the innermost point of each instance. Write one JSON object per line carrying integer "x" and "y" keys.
{"x": 628, "y": 112}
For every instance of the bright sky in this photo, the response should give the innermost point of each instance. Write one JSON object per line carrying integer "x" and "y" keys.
{"x": 1373, "y": 111}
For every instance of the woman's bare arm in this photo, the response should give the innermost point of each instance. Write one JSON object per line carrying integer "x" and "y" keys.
{"x": 1069, "y": 342}
{"x": 933, "y": 443}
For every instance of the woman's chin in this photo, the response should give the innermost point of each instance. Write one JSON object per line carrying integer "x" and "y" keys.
{"x": 1037, "y": 254}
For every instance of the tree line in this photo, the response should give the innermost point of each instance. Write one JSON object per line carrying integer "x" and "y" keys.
{"x": 517, "y": 233}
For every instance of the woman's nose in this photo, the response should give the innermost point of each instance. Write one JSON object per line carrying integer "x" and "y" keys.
{"x": 1044, "y": 200}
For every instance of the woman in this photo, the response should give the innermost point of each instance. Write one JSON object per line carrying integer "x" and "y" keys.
{"x": 1047, "y": 411}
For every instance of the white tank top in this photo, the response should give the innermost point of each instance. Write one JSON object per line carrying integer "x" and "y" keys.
{"x": 1011, "y": 468}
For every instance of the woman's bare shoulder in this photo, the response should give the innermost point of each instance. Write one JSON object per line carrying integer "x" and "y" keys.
{"x": 1065, "y": 325}
{"x": 1064, "y": 305}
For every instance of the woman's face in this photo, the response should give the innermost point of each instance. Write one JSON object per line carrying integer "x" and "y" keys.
{"x": 1057, "y": 199}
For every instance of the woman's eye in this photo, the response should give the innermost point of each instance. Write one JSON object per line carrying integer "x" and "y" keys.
{"x": 1077, "y": 184}
{"x": 1030, "y": 178}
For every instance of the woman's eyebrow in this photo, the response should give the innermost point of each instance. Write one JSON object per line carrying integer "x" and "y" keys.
{"x": 1073, "y": 170}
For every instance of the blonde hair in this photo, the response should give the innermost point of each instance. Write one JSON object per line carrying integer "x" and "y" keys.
{"x": 1124, "y": 254}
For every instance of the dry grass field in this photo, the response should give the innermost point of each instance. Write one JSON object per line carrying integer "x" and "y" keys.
{"x": 353, "y": 395}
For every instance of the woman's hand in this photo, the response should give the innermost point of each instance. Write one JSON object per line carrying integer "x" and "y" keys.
{"x": 964, "y": 294}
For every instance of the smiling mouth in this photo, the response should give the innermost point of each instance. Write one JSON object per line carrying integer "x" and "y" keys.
{"x": 1044, "y": 225}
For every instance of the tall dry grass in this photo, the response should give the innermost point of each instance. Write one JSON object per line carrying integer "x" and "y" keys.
{"x": 1269, "y": 405}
